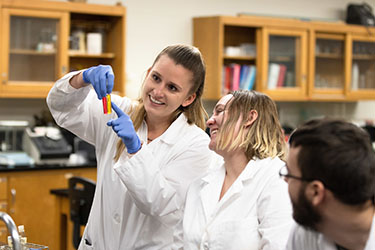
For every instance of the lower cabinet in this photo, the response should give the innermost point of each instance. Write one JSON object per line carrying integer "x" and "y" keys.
{"x": 26, "y": 197}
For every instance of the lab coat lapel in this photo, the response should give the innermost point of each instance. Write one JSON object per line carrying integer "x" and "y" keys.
{"x": 210, "y": 192}
{"x": 237, "y": 187}
{"x": 233, "y": 193}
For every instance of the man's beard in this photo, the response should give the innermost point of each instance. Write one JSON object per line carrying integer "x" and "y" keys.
{"x": 304, "y": 213}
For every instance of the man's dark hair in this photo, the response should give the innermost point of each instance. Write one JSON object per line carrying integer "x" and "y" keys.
{"x": 340, "y": 155}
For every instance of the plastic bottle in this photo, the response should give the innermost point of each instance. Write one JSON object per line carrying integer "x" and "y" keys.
{"x": 10, "y": 242}
{"x": 23, "y": 238}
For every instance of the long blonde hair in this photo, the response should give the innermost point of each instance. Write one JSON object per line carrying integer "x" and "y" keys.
{"x": 265, "y": 135}
{"x": 190, "y": 58}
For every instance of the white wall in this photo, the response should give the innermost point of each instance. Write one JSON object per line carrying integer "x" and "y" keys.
{"x": 152, "y": 25}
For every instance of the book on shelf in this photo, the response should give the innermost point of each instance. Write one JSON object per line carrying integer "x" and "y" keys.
{"x": 281, "y": 77}
{"x": 277, "y": 75}
{"x": 226, "y": 80}
{"x": 244, "y": 71}
{"x": 236, "y": 69}
{"x": 250, "y": 78}
{"x": 355, "y": 76}
{"x": 273, "y": 75}
{"x": 289, "y": 79}
{"x": 237, "y": 76}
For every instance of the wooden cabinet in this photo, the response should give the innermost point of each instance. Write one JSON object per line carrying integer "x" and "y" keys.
{"x": 43, "y": 40}
{"x": 283, "y": 52}
{"x": 295, "y": 60}
{"x": 3, "y": 207}
{"x": 29, "y": 201}
{"x": 328, "y": 66}
{"x": 362, "y": 64}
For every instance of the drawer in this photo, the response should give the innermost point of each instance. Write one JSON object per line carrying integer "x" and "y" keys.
{"x": 3, "y": 188}
{"x": 3, "y": 233}
{"x": 3, "y": 206}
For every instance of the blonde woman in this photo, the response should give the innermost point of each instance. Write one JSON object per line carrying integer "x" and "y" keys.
{"x": 148, "y": 152}
{"x": 242, "y": 204}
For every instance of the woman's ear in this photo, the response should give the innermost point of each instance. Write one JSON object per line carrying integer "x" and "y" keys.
{"x": 189, "y": 100}
{"x": 251, "y": 117}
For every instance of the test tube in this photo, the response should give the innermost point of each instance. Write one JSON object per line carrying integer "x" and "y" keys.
{"x": 107, "y": 108}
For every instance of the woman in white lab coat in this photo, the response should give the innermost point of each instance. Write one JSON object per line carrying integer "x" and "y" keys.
{"x": 243, "y": 203}
{"x": 148, "y": 151}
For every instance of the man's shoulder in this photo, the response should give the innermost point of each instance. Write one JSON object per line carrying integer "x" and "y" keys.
{"x": 302, "y": 238}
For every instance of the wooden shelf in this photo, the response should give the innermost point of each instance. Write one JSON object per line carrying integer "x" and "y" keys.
{"x": 281, "y": 59}
{"x": 244, "y": 58}
{"x": 329, "y": 56}
{"x": 32, "y": 52}
{"x": 85, "y": 55}
{"x": 364, "y": 57}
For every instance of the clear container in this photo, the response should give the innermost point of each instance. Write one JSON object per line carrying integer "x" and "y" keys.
{"x": 11, "y": 135}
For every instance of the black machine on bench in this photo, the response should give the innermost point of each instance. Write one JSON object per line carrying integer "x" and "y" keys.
{"x": 46, "y": 145}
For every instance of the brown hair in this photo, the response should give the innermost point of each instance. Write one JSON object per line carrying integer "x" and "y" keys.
{"x": 190, "y": 58}
{"x": 265, "y": 135}
{"x": 340, "y": 155}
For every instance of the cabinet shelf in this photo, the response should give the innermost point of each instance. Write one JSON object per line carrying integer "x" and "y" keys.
{"x": 329, "y": 56}
{"x": 364, "y": 57}
{"x": 243, "y": 58}
{"x": 31, "y": 52}
{"x": 85, "y": 55}
{"x": 281, "y": 59}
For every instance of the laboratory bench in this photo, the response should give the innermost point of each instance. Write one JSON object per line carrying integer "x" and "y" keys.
{"x": 44, "y": 167}
{"x": 25, "y": 194}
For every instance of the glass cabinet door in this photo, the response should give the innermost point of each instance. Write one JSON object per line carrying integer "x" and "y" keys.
{"x": 33, "y": 45}
{"x": 32, "y": 49}
{"x": 285, "y": 74}
{"x": 362, "y": 80}
{"x": 328, "y": 66}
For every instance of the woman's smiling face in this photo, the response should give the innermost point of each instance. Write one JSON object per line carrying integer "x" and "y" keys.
{"x": 166, "y": 88}
{"x": 217, "y": 119}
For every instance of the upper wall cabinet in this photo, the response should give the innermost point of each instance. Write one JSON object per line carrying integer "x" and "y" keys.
{"x": 361, "y": 72}
{"x": 288, "y": 59}
{"x": 284, "y": 73}
{"x": 43, "y": 40}
{"x": 328, "y": 66}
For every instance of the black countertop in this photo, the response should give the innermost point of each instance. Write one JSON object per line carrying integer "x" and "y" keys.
{"x": 45, "y": 167}
{"x": 60, "y": 192}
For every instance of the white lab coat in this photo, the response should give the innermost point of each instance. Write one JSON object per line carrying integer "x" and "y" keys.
{"x": 138, "y": 201}
{"x": 302, "y": 238}
{"x": 255, "y": 212}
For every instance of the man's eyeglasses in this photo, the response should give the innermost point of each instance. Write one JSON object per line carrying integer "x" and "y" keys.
{"x": 285, "y": 174}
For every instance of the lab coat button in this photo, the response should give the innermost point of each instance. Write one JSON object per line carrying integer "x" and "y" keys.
{"x": 116, "y": 217}
{"x": 206, "y": 246}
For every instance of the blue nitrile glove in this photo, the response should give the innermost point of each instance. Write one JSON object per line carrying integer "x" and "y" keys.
{"x": 101, "y": 77}
{"x": 123, "y": 126}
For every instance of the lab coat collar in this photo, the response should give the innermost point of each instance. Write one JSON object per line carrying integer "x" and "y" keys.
{"x": 171, "y": 135}
{"x": 250, "y": 170}
{"x": 212, "y": 184}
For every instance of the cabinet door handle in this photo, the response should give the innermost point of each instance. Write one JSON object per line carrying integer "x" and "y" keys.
{"x": 13, "y": 199}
